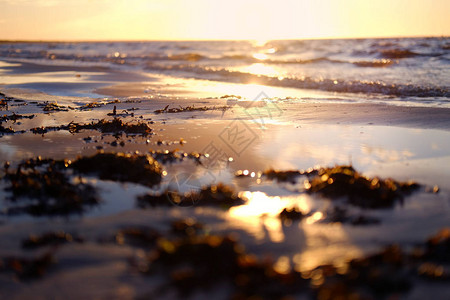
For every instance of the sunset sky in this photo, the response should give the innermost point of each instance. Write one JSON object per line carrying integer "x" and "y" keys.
{"x": 231, "y": 19}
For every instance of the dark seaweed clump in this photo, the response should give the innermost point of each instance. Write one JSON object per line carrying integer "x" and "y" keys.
{"x": 14, "y": 117}
{"x": 50, "y": 239}
{"x": 283, "y": 176}
{"x": 189, "y": 108}
{"x": 203, "y": 262}
{"x": 147, "y": 237}
{"x": 3, "y": 104}
{"x": 47, "y": 190}
{"x": 344, "y": 181}
{"x": 388, "y": 272}
{"x": 91, "y": 105}
{"x": 175, "y": 156}
{"x": 291, "y": 214}
{"x": 141, "y": 169}
{"x": 115, "y": 126}
{"x": 437, "y": 248}
{"x": 375, "y": 277}
{"x": 50, "y": 107}
{"x": 6, "y": 130}
{"x": 186, "y": 228}
{"x": 341, "y": 215}
{"x": 149, "y": 200}
{"x": 137, "y": 237}
{"x": 26, "y": 268}
{"x": 219, "y": 195}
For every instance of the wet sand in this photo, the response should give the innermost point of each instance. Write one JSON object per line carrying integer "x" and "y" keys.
{"x": 404, "y": 143}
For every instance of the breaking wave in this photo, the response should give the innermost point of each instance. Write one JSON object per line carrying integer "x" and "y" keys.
{"x": 330, "y": 85}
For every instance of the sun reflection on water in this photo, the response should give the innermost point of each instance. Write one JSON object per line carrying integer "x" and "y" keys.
{"x": 260, "y": 56}
{"x": 311, "y": 242}
{"x": 261, "y": 69}
{"x": 259, "y": 215}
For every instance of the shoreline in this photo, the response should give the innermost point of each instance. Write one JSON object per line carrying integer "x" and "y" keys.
{"x": 295, "y": 111}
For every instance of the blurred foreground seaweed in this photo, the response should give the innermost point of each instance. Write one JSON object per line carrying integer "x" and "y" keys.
{"x": 27, "y": 268}
{"x": 46, "y": 190}
{"x": 203, "y": 262}
{"x": 50, "y": 239}
{"x": 219, "y": 195}
{"x": 195, "y": 263}
{"x": 137, "y": 237}
{"x": 141, "y": 169}
{"x": 345, "y": 182}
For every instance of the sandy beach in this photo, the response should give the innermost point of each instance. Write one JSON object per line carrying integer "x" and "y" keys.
{"x": 207, "y": 141}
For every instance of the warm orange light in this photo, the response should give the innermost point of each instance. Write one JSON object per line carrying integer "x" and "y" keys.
{"x": 260, "y": 56}
{"x": 233, "y": 19}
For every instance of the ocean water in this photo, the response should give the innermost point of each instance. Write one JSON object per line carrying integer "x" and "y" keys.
{"x": 410, "y": 70}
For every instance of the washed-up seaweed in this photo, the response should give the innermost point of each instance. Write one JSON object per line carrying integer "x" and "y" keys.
{"x": 167, "y": 156}
{"x": 344, "y": 181}
{"x": 46, "y": 190}
{"x": 27, "y": 268}
{"x": 3, "y": 104}
{"x": 6, "y": 130}
{"x": 143, "y": 237}
{"x": 389, "y": 272}
{"x": 189, "y": 108}
{"x": 14, "y": 117}
{"x": 200, "y": 263}
{"x": 283, "y": 176}
{"x": 434, "y": 257}
{"x": 124, "y": 112}
{"x": 51, "y": 181}
{"x": 51, "y": 107}
{"x": 375, "y": 277}
{"x": 291, "y": 214}
{"x": 50, "y": 239}
{"x": 341, "y": 215}
{"x": 186, "y": 228}
{"x": 153, "y": 200}
{"x": 437, "y": 248}
{"x": 219, "y": 195}
{"x": 115, "y": 126}
{"x": 141, "y": 169}
{"x": 5, "y": 99}
{"x": 91, "y": 105}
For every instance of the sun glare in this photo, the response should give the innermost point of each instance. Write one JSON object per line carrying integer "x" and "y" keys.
{"x": 260, "y": 214}
{"x": 260, "y": 69}
{"x": 260, "y": 56}
{"x": 201, "y": 19}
